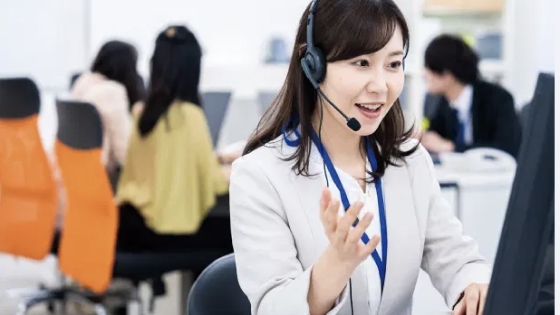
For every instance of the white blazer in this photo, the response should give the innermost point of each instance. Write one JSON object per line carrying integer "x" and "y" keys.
{"x": 277, "y": 235}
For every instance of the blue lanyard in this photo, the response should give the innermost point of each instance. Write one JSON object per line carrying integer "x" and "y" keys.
{"x": 381, "y": 263}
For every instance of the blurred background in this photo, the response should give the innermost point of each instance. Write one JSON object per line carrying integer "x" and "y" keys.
{"x": 246, "y": 46}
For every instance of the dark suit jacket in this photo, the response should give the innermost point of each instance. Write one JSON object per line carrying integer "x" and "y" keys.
{"x": 494, "y": 120}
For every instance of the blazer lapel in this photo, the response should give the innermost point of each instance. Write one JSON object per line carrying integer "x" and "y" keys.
{"x": 403, "y": 245}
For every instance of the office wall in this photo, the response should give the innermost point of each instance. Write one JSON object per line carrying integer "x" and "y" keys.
{"x": 529, "y": 45}
{"x": 42, "y": 39}
{"x": 231, "y": 32}
{"x": 48, "y": 40}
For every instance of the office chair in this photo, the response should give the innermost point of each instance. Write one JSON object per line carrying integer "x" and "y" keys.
{"x": 86, "y": 245}
{"x": 217, "y": 291}
{"x": 88, "y": 240}
{"x": 28, "y": 203}
{"x": 215, "y": 106}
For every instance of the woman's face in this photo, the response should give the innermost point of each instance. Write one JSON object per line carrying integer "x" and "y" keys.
{"x": 366, "y": 87}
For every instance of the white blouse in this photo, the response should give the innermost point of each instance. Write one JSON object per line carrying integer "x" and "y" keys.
{"x": 355, "y": 193}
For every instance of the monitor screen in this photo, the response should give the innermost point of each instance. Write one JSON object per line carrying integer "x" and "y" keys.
{"x": 215, "y": 105}
{"x": 528, "y": 226}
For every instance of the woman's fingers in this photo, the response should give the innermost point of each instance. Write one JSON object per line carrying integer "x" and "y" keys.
{"x": 356, "y": 234}
{"x": 370, "y": 247}
{"x": 325, "y": 200}
{"x": 347, "y": 221}
{"x": 331, "y": 217}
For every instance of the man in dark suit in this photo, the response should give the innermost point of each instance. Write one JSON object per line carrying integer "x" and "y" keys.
{"x": 464, "y": 111}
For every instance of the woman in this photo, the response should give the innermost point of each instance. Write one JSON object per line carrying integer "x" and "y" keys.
{"x": 297, "y": 250}
{"x": 172, "y": 178}
{"x": 112, "y": 86}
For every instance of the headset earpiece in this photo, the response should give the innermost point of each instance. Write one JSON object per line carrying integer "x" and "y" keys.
{"x": 316, "y": 64}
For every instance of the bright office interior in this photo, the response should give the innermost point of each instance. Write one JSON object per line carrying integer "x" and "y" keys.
{"x": 246, "y": 44}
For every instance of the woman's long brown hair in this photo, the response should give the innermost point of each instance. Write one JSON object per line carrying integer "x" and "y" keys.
{"x": 343, "y": 29}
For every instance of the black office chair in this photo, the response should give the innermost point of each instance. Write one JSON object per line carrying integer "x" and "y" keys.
{"x": 217, "y": 291}
{"x": 20, "y": 91}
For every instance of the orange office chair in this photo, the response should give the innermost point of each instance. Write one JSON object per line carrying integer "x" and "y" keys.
{"x": 28, "y": 194}
{"x": 88, "y": 240}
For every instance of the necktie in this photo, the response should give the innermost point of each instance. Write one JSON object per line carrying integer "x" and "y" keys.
{"x": 460, "y": 134}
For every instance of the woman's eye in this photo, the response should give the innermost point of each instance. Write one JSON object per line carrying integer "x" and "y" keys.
{"x": 395, "y": 64}
{"x": 362, "y": 63}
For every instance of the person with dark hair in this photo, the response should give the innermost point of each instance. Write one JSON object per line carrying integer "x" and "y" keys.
{"x": 172, "y": 177}
{"x": 334, "y": 208}
{"x": 112, "y": 86}
{"x": 467, "y": 111}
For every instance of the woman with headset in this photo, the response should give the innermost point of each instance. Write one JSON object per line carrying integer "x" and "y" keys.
{"x": 334, "y": 209}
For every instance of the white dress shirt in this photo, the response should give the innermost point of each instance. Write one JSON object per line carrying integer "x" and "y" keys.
{"x": 355, "y": 193}
{"x": 463, "y": 105}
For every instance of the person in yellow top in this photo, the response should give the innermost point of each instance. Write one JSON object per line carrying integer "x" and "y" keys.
{"x": 171, "y": 178}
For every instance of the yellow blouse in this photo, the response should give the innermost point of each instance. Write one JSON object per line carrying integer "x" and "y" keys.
{"x": 172, "y": 176}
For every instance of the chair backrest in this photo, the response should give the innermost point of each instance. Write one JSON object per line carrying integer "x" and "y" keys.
{"x": 88, "y": 238}
{"x": 217, "y": 291}
{"x": 28, "y": 194}
{"x": 215, "y": 105}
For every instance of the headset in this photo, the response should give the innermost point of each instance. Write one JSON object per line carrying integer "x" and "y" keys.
{"x": 315, "y": 68}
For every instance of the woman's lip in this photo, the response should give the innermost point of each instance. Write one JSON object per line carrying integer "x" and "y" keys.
{"x": 369, "y": 114}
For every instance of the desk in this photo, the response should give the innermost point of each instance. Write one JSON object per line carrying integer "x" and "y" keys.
{"x": 480, "y": 201}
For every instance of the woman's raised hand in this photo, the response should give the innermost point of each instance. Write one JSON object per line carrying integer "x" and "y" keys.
{"x": 345, "y": 240}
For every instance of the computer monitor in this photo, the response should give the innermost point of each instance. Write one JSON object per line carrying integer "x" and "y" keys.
{"x": 265, "y": 99}
{"x": 215, "y": 105}
{"x": 529, "y": 222}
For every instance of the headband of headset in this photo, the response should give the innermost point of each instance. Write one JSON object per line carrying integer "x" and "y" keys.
{"x": 313, "y": 61}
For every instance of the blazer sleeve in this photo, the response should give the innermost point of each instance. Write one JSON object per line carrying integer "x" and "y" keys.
{"x": 507, "y": 135}
{"x": 268, "y": 268}
{"x": 505, "y": 126}
{"x": 451, "y": 259}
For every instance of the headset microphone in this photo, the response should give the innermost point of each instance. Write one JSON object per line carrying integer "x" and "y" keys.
{"x": 314, "y": 67}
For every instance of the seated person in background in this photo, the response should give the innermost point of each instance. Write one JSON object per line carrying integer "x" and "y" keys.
{"x": 468, "y": 112}
{"x": 172, "y": 177}
{"x": 112, "y": 87}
